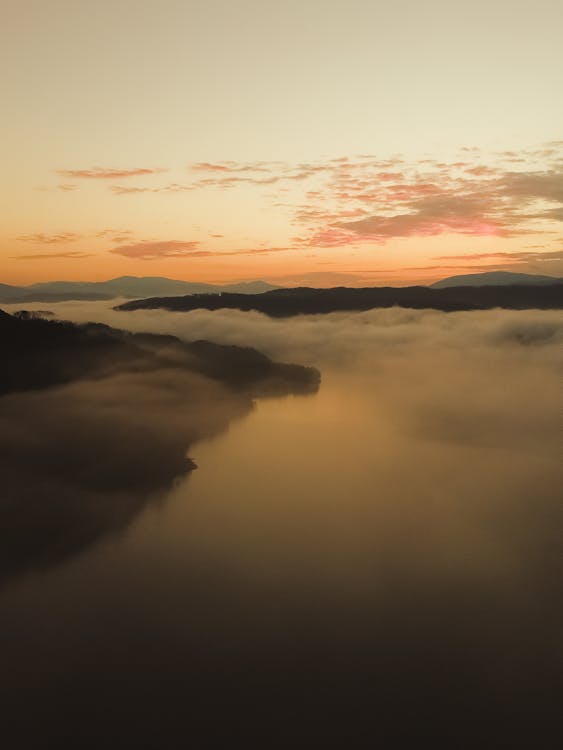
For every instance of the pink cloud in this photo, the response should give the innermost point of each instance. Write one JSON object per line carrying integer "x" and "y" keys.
{"x": 421, "y": 225}
{"x": 482, "y": 200}
{"x": 365, "y": 199}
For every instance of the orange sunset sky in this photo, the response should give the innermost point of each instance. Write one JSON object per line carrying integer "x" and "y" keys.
{"x": 321, "y": 142}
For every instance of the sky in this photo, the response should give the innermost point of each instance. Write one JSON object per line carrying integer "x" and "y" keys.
{"x": 320, "y": 142}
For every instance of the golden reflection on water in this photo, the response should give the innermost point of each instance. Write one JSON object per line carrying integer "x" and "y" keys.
{"x": 333, "y": 491}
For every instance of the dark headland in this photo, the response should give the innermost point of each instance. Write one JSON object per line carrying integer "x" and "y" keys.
{"x": 96, "y": 424}
{"x": 39, "y": 353}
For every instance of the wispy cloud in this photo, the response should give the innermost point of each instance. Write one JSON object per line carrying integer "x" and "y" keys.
{"x": 329, "y": 236}
{"x": 164, "y": 249}
{"x": 456, "y": 199}
{"x": 258, "y": 251}
{"x": 108, "y": 173}
{"x": 228, "y": 174}
{"x": 522, "y": 256}
{"x": 61, "y": 238}
{"x": 50, "y": 239}
{"x": 71, "y": 255}
{"x": 366, "y": 199}
{"x": 232, "y": 181}
{"x": 233, "y": 166}
{"x": 131, "y": 190}
{"x": 173, "y": 187}
{"x": 151, "y": 250}
{"x": 66, "y": 187}
{"x": 115, "y": 235}
{"x": 353, "y": 200}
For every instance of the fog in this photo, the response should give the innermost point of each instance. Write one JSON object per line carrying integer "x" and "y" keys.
{"x": 337, "y": 338}
{"x": 490, "y": 377}
{"x": 381, "y": 555}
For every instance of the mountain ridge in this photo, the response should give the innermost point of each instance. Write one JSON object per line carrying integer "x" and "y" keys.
{"x": 495, "y": 278}
{"x": 308, "y": 301}
{"x": 122, "y": 286}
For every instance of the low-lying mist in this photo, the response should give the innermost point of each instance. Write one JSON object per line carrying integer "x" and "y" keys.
{"x": 470, "y": 376}
{"x": 334, "y": 338}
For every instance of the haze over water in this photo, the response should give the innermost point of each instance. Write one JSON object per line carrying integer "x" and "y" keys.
{"x": 381, "y": 555}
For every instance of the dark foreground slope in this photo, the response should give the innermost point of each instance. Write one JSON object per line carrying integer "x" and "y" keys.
{"x": 304, "y": 300}
{"x": 96, "y": 423}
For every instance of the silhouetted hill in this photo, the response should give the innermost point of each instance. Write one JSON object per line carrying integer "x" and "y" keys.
{"x": 303, "y": 300}
{"x": 10, "y": 293}
{"x": 248, "y": 287}
{"x": 495, "y": 278}
{"x": 124, "y": 286}
{"x": 38, "y": 353}
{"x": 96, "y": 423}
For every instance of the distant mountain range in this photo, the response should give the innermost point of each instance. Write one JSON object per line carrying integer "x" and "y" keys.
{"x": 303, "y": 300}
{"x": 142, "y": 287}
{"x": 495, "y": 278}
{"x": 124, "y": 286}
